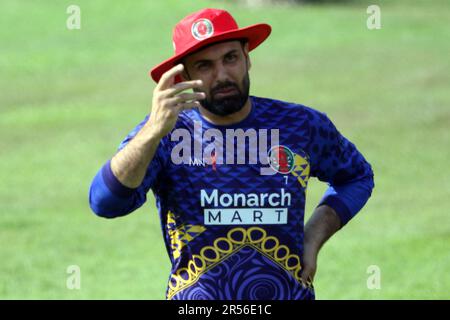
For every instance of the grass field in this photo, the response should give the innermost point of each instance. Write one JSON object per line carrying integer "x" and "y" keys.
{"x": 67, "y": 98}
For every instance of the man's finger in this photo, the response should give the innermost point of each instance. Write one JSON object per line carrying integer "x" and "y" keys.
{"x": 182, "y": 86}
{"x": 308, "y": 275}
{"x": 305, "y": 275}
{"x": 187, "y": 105}
{"x": 185, "y": 97}
{"x": 167, "y": 78}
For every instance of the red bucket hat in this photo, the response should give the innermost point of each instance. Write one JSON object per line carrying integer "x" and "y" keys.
{"x": 205, "y": 27}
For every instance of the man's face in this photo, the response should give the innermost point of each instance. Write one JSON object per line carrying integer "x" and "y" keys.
{"x": 223, "y": 68}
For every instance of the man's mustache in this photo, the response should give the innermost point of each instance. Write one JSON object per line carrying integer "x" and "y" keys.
{"x": 227, "y": 85}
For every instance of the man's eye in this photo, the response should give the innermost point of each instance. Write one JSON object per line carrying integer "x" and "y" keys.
{"x": 203, "y": 66}
{"x": 231, "y": 57}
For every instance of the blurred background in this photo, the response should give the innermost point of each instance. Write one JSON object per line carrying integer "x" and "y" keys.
{"x": 68, "y": 97}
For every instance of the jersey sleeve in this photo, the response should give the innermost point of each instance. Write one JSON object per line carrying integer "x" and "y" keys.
{"x": 336, "y": 160}
{"x": 109, "y": 198}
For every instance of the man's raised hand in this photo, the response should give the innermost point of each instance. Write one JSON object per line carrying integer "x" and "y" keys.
{"x": 169, "y": 99}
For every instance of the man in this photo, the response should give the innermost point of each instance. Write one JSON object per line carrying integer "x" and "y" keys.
{"x": 232, "y": 212}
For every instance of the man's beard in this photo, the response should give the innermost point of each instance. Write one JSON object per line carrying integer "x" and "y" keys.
{"x": 228, "y": 104}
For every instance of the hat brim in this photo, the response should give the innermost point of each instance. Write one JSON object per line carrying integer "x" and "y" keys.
{"x": 255, "y": 34}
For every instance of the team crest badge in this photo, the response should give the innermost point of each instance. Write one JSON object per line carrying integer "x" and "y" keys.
{"x": 202, "y": 29}
{"x": 281, "y": 159}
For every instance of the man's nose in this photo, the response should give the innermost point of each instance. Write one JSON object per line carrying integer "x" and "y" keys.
{"x": 221, "y": 73}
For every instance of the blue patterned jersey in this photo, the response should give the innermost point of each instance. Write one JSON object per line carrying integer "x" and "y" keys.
{"x": 232, "y": 232}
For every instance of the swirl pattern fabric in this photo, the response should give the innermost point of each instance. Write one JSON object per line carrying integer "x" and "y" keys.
{"x": 246, "y": 275}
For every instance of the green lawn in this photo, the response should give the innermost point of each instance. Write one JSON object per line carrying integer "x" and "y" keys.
{"x": 67, "y": 98}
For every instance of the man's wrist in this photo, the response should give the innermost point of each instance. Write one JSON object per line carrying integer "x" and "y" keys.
{"x": 151, "y": 133}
